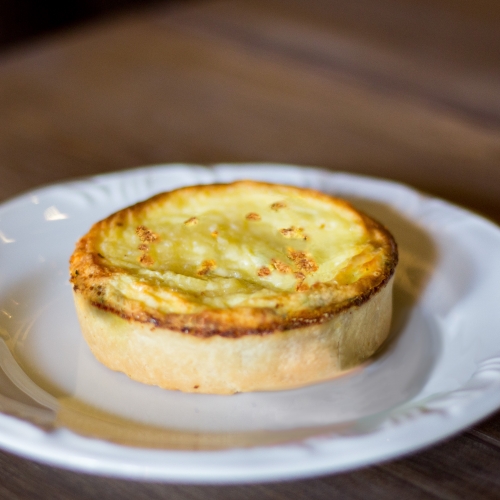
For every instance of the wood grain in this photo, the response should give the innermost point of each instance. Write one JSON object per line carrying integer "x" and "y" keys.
{"x": 451, "y": 470}
{"x": 246, "y": 81}
{"x": 406, "y": 90}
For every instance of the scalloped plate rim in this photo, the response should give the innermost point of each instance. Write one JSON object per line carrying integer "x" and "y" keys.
{"x": 313, "y": 456}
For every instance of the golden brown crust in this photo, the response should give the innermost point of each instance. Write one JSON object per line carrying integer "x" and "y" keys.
{"x": 311, "y": 330}
{"x": 90, "y": 274}
{"x": 225, "y": 365}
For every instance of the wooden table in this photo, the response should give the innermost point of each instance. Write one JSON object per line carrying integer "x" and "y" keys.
{"x": 406, "y": 90}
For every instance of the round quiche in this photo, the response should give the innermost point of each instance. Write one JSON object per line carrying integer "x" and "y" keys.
{"x": 236, "y": 287}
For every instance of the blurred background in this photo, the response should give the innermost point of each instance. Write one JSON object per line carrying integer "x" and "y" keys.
{"x": 25, "y": 20}
{"x": 406, "y": 90}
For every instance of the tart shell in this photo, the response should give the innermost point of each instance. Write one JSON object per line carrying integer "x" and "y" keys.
{"x": 308, "y": 336}
{"x": 225, "y": 365}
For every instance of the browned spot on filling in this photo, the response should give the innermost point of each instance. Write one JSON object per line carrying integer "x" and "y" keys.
{"x": 146, "y": 260}
{"x": 252, "y": 216}
{"x": 302, "y": 260}
{"x": 264, "y": 271}
{"x": 277, "y": 205}
{"x": 301, "y": 286}
{"x": 143, "y": 247}
{"x": 281, "y": 267}
{"x": 296, "y": 233}
{"x": 206, "y": 267}
{"x": 146, "y": 235}
{"x": 214, "y": 234}
{"x": 191, "y": 222}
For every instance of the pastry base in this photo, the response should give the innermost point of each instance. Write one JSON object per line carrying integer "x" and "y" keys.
{"x": 223, "y": 365}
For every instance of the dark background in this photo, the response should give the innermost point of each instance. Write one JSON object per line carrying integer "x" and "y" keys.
{"x": 25, "y": 20}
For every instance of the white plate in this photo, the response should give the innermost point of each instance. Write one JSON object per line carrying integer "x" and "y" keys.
{"x": 439, "y": 373}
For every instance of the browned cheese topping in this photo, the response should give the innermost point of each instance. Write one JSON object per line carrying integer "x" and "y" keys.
{"x": 206, "y": 267}
{"x": 296, "y": 233}
{"x": 252, "y": 216}
{"x": 279, "y": 204}
{"x": 301, "y": 286}
{"x": 303, "y": 261}
{"x": 146, "y": 259}
{"x": 231, "y": 247}
{"x": 264, "y": 271}
{"x": 145, "y": 235}
{"x": 280, "y": 266}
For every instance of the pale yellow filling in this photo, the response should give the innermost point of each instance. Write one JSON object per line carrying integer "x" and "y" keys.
{"x": 232, "y": 249}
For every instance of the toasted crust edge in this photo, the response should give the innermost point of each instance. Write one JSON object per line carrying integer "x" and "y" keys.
{"x": 226, "y": 365}
{"x": 237, "y": 322}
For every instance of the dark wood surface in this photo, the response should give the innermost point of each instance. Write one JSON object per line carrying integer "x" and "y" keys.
{"x": 406, "y": 90}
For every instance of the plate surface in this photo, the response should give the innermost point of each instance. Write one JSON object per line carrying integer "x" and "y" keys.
{"x": 439, "y": 372}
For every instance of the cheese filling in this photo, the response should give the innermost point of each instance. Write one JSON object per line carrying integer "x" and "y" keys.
{"x": 233, "y": 248}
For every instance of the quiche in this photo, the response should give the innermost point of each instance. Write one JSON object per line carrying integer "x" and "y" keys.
{"x": 238, "y": 287}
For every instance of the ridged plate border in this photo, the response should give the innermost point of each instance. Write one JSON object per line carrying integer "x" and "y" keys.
{"x": 445, "y": 405}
